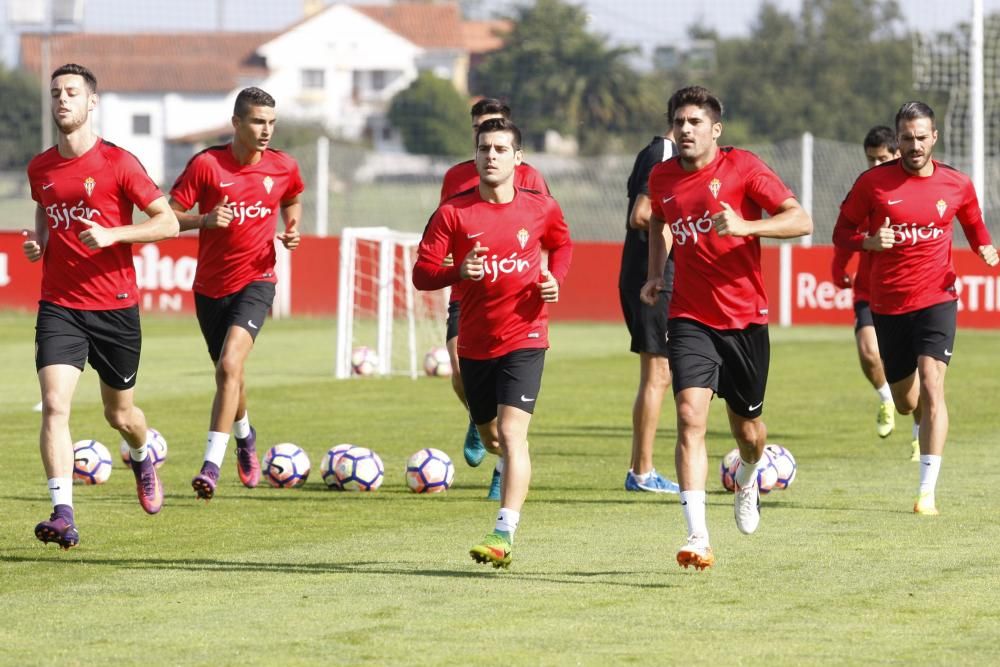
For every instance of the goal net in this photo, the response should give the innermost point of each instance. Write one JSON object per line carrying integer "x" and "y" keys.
{"x": 379, "y": 309}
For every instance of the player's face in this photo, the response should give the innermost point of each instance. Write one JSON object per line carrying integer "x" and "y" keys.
{"x": 72, "y": 102}
{"x": 254, "y": 131}
{"x": 479, "y": 120}
{"x": 496, "y": 158}
{"x": 878, "y": 154}
{"x": 695, "y": 134}
{"x": 916, "y": 143}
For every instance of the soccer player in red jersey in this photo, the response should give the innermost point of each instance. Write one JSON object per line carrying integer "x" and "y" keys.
{"x": 902, "y": 213}
{"x": 880, "y": 145}
{"x": 500, "y": 231}
{"x": 85, "y": 189}
{"x": 712, "y": 199}
{"x": 460, "y": 178}
{"x": 240, "y": 189}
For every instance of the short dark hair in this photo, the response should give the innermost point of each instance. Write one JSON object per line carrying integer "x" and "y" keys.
{"x": 879, "y": 136}
{"x": 696, "y": 96}
{"x": 73, "y": 68}
{"x": 912, "y": 111}
{"x": 490, "y": 105}
{"x": 500, "y": 125}
{"x": 251, "y": 97}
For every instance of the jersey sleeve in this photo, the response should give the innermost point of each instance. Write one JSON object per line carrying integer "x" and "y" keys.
{"x": 295, "y": 184}
{"x": 557, "y": 241}
{"x": 654, "y": 202}
{"x": 848, "y": 233}
{"x": 135, "y": 182}
{"x": 764, "y": 187}
{"x": 970, "y": 216}
{"x": 448, "y": 184}
{"x": 435, "y": 245}
{"x": 187, "y": 187}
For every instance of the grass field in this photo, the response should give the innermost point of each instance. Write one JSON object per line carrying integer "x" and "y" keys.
{"x": 840, "y": 571}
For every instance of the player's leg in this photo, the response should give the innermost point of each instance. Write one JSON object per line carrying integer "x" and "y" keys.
{"x": 490, "y": 437}
{"x": 472, "y": 448}
{"x": 899, "y": 362}
{"x": 654, "y": 380}
{"x": 871, "y": 366}
{"x": 123, "y": 415}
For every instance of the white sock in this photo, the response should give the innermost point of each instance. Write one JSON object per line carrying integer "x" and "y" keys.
{"x": 215, "y": 450}
{"x": 746, "y": 474}
{"x": 61, "y": 490}
{"x": 930, "y": 466}
{"x": 644, "y": 477}
{"x": 499, "y": 466}
{"x": 693, "y": 504}
{"x": 507, "y": 521}
{"x": 241, "y": 427}
{"x": 139, "y": 454}
{"x": 885, "y": 393}
{"x": 916, "y": 431}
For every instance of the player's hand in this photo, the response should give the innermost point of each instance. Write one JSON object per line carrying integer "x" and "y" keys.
{"x": 291, "y": 238}
{"x": 32, "y": 248}
{"x": 549, "y": 287}
{"x": 220, "y": 216}
{"x": 473, "y": 266}
{"x": 883, "y": 240}
{"x": 841, "y": 278}
{"x": 729, "y": 223}
{"x": 96, "y": 237}
{"x": 650, "y": 292}
{"x": 449, "y": 260}
{"x": 989, "y": 254}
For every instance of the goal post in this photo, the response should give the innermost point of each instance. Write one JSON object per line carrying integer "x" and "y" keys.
{"x": 378, "y": 307}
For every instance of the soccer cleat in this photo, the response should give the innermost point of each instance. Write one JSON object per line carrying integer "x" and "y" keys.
{"x": 696, "y": 552}
{"x": 885, "y": 420}
{"x": 205, "y": 481}
{"x": 746, "y": 508}
{"x": 494, "y": 549}
{"x": 58, "y": 529}
{"x": 473, "y": 449}
{"x": 494, "y": 493}
{"x": 247, "y": 464}
{"x": 148, "y": 486}
{"x": 915, "y": 450}
{"x": 655, "y": 483}
{"x": 925, "y": 505}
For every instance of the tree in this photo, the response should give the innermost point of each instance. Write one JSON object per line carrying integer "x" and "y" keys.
{"x": 20, "y": 126}
{"x": 432, "y": 117}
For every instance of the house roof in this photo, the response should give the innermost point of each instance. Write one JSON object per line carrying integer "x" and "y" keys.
{"x": 484, "y": 36}
{"x": 427, "y": 26}
{"x": 197, "y": 62}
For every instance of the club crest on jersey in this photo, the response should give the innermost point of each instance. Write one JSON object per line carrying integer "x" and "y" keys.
{"x": 88, "y": 185}
{"x": 522, "y": 237}
{"x": 268, "y": 184}
{"x": 941, "y": 207}
{"x": 715, "y": 185}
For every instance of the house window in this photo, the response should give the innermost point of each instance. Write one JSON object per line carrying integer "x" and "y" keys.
{"x": 379, "y": 79}
{"x": 313, "y": 79}
{"x": 142, "y": 125}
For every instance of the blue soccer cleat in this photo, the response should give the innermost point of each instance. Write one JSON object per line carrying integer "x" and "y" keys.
{"x": 473, "y": 450}
{"x": 655, "y": 483}
{"x": 494, "y": 493}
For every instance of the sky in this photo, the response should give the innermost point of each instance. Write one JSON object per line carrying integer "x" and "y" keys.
{"x": 632, "y": 22}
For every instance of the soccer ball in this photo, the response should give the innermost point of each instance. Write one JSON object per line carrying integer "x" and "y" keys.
{"x": 364, "y": 361}
{"x": 330, "y": 463}
{"x": 429, "y": 471}
{"x": 286, "y": 466}
{"x": 157, "y": 449}
{"x": 767, "y": 473}
{"x": 359, "y": 469}
{"x": 437, "y": 363}
{"x": 785, "y": 464}
{"x": 727, "y": 469}
{"x": 91, "y": 462}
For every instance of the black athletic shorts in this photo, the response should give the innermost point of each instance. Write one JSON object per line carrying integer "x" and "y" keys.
{"x": 731, "y": 362}
{"x": 647, "y": 324}
{"x": 862, "y": 315}
{"x": 451, "y": 328}
{"x": 246, "y": 309}
{"x": 111, "y": 340}
{"x": 902, "y": 338}
{"x": 513, "y": 379}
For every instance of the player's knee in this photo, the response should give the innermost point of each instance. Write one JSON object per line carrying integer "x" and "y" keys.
{"x": 229, "y": 370}
{"x": 118, "y": 418}
{"x": 54, "y": 408}
{"x": 689, "y": 416}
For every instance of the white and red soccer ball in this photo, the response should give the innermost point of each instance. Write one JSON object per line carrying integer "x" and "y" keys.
{"x": 775, "y": 470}
{"x": 286, "y": 465}
{"x": 91, "y": 462}
{"x": 364, "y": 361}
{"x": 157, "y": 448}
{"x": 429, "y": 471}
{"x": 437, "y": 362}
{"x": 359, "y": 469}
{"x": 784, "y": 463}
{"x": 329, "y": 465}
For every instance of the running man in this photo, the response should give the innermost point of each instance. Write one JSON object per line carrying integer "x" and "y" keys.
{"x": 240, "y": 189}
{"x": 902, "y": 213}
{"x": 712, "y": 197}
{"x": 500, "y": 231}
{"x": 85, "y": 189}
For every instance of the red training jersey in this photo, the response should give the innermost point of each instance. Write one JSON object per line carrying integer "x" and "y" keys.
{"x": 917, "y": 272}
{"x": 464, "y": 176}
{"x": 102, "y": 185}
{"x": 859, "y": 286}
{"x": 230, "y": 258}
{"x": 504, "y": 310}
{"x": 717, "y": 279}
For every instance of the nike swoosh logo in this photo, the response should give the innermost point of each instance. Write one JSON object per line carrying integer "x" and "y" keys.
{"x": 893, "y": 202}
{"x": 754, "y": 407}
{"x": 947, "y": 353}
{"x": 526, "y": 399}
{"x": 226, "y": 185}
{"x": 472, "y": 236}
{"x": 666, "y": 199}
{"x": 47, "y": 186}
{"x": 128, "y": 378}
{"x": 252, "y": 325}
{"x": 56, "y": 488}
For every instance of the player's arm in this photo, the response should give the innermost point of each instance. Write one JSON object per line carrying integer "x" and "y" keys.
{"x": 218, "y": 218}
{"x": 660, "y": 243}
{"x": 291, "y": 213}
{"x": 641, "y": 212}
{"x": 788, "y": 221}
{"x": 838, "y": 267}
{"x": 162, "y": 224}
{"x": 35, "y": 241}
{"x": 970, "y": 216}
{"x": 560, "y": 249}
{"x": 429, "y": 273}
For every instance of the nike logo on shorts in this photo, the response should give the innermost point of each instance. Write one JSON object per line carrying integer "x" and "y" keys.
{"x": 947, "y": 353}
{"x": 525, "y": 399}
{"x": 754, "y": 407}
{"x": 129, "y": 378}
{"x": 252, "y": 325}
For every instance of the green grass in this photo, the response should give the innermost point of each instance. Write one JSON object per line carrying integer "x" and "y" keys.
{"x": 840, "y": 571}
